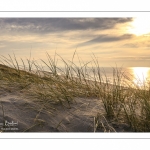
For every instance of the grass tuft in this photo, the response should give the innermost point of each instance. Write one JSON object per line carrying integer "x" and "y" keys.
{"x": 123, "y": 102}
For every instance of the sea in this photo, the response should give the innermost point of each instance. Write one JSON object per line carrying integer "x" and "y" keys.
{"x": 137, "y": 76}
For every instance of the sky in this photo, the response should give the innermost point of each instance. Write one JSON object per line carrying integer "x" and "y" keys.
{"x": 121, "y": 41}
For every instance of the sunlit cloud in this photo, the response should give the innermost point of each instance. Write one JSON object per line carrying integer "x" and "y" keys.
{"x": 108, "y": 38}
{"x": 139, "y": 26}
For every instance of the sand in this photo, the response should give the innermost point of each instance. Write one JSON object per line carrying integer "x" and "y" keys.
{"x": 22, "y": 112}
{"x": 27, "y": 115}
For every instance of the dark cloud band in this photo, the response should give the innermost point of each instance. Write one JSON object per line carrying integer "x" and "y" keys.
{"x": 48, "y": 25}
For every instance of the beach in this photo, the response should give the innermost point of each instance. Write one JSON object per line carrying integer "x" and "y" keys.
{"x": 41, "y": 101}
{"x": 19, "y": 106}
{"x": 22, "y": 111}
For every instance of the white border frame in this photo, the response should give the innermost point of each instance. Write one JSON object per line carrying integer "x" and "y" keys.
{"x": 75, "y": 135}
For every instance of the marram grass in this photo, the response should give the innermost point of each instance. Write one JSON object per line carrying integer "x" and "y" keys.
{"x": 123, "y": 102}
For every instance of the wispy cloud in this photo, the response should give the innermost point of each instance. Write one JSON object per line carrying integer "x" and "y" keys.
{"x": 106, "y": 38}
{"x": 130, "y": 45}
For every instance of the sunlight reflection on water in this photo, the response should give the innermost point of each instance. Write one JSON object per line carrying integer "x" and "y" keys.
{"x": 140, "y": 75}
{"x": 137, "y": 76}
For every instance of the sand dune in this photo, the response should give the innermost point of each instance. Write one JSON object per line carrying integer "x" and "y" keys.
{"x": 33, "y": 117}
{"x": 21, "y": 111}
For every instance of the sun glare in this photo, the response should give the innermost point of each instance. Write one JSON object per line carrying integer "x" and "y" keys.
{"x": 140, "y": 26}
{"x": 141, "y": 75}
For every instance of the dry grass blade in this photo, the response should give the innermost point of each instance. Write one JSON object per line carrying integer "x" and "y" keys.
{"x": 122, "y": 101}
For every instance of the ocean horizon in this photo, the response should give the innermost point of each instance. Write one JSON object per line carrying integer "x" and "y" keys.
{"x": 139, "y": 76}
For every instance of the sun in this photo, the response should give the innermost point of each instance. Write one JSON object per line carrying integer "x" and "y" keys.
{"x": 139, "y": 26}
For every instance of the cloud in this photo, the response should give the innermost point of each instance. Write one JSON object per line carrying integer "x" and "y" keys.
{"x": 130, "y": 45}
{"x": 49, "y": 25}
{"x": 132, "y": 58}
{"x": 106, "y": 38}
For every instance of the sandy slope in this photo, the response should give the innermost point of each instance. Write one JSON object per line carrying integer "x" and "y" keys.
{"x": 33, "y": 117}
{"x": 20, "y": 111}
